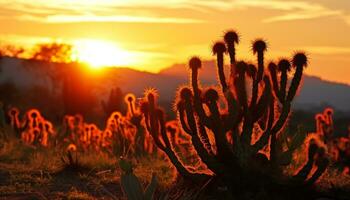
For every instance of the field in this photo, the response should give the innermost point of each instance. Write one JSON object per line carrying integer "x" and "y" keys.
{"x": 27, "y": 172}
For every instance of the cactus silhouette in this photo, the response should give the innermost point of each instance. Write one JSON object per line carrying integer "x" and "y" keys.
{"x": 131, "y": 184}
{"x": 261, "y": 110}
{"x": 135, "y": 117}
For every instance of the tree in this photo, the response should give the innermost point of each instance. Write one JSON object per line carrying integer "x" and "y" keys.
{"x": 11, "y": 51}
{"x": 53, "y": 52}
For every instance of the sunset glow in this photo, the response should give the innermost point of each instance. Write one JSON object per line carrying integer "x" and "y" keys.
{"x": 99, "y": 54}
{"x": 200, "y": 99}
{"x": 153, "y": 35}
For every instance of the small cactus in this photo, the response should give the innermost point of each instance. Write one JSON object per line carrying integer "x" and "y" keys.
{"x": 131, "y": 184}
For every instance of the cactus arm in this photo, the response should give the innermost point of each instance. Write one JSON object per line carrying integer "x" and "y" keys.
{"x": 183, "y": 122}
{"x": 240, "y": 86}
{"x": 163, "y": 132}
{"x": 131, "y": 186}
{"x": 202, "y": 151}
{"x": 303, "y": 173}
{"x": 264, "y": 139}
{"x": 151, "y": 130}
{"x": 247, "y": 129}
{"x": 197, "y": 100}
{"x": 295, "y": 83}
{"x": 156, "y": 125}
{"x": 260, "y": 66}
{"x": 320, "y": 170}
{"x": 205, "y": 139}
{"x": 221, "y": 73}
{"x": 283, "y": 85}
{"x": 232, "y": 53}
{"x": 255, "y": 91}
{"x": 234, "y": 111}
{"x": 257, "y": 79}
{"x": 131, "y": 108}
{"x": 255, "y": 113}
{"x": 171, "y": 154}
{"x": 264, "y": 101}
{"x": 151, "y": 188}
{"x": 275, "y": 129}
{"x": 282, "y": 118}
{"x": 286, "y": 157}
{"x": 222, "y": 144}
{"x": 273, "y": 76}
{"x": 148, "y": 126}
{"x": 235, "y": 114}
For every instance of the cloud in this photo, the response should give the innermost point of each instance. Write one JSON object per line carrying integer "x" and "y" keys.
{"x": 118, "y": 18}
{"x": 291, "y": 10}
{"x": 96, "y": 18}
{"x": 66, "y": 11}
{"x": 308, "y": 12}
{"x": 327, "y": 50}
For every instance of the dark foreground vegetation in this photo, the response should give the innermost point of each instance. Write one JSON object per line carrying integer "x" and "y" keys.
{"x": 228, "y": 142}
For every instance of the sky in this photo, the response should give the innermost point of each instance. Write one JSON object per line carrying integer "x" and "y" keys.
{"x": 152, "y": 34}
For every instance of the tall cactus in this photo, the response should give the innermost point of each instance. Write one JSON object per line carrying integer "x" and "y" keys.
{"x": 262, "y": 109}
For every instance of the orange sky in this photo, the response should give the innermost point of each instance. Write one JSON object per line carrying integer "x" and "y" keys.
{"x": 156, "y": 33}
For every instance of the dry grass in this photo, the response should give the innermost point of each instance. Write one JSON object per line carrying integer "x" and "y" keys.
{"x": 40, "y": 173}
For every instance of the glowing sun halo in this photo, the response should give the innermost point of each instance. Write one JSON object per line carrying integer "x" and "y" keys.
{"x": 99, "y": 54}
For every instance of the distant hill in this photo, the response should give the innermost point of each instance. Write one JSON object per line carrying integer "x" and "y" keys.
{"x": 315, "y": 92}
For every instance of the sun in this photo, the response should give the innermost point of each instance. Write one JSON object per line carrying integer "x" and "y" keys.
{"x": 98, "y": 53}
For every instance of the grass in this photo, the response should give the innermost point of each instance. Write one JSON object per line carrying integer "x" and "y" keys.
{"x": 36, "y": 173}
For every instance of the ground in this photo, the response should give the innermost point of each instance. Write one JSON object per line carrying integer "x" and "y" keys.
{"x": 27, "y": 172}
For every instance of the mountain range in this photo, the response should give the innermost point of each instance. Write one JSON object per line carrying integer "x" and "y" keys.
{"x": 315, "y": 92}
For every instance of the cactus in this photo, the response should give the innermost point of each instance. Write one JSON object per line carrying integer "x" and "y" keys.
{"x": 261, "y": 110}
{"x": 71, "y": 164}
{"x": 131, "y": 184}
{"x": 135, "y": 117}
{"x": 324, "y": 125}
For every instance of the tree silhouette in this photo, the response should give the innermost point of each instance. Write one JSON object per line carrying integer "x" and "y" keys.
{"x": 11, "y": 51}
{"x": 53, "y": 52}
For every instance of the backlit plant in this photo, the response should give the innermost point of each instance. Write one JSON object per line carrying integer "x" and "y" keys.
{"x": 246, "y": 119}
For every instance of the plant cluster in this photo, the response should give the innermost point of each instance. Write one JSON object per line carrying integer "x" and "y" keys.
{"x": 337, "y": 147}
{"x": 237, "y": 131}
{"x": 122, "y": 135}
{"x": 33, "y": 128}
